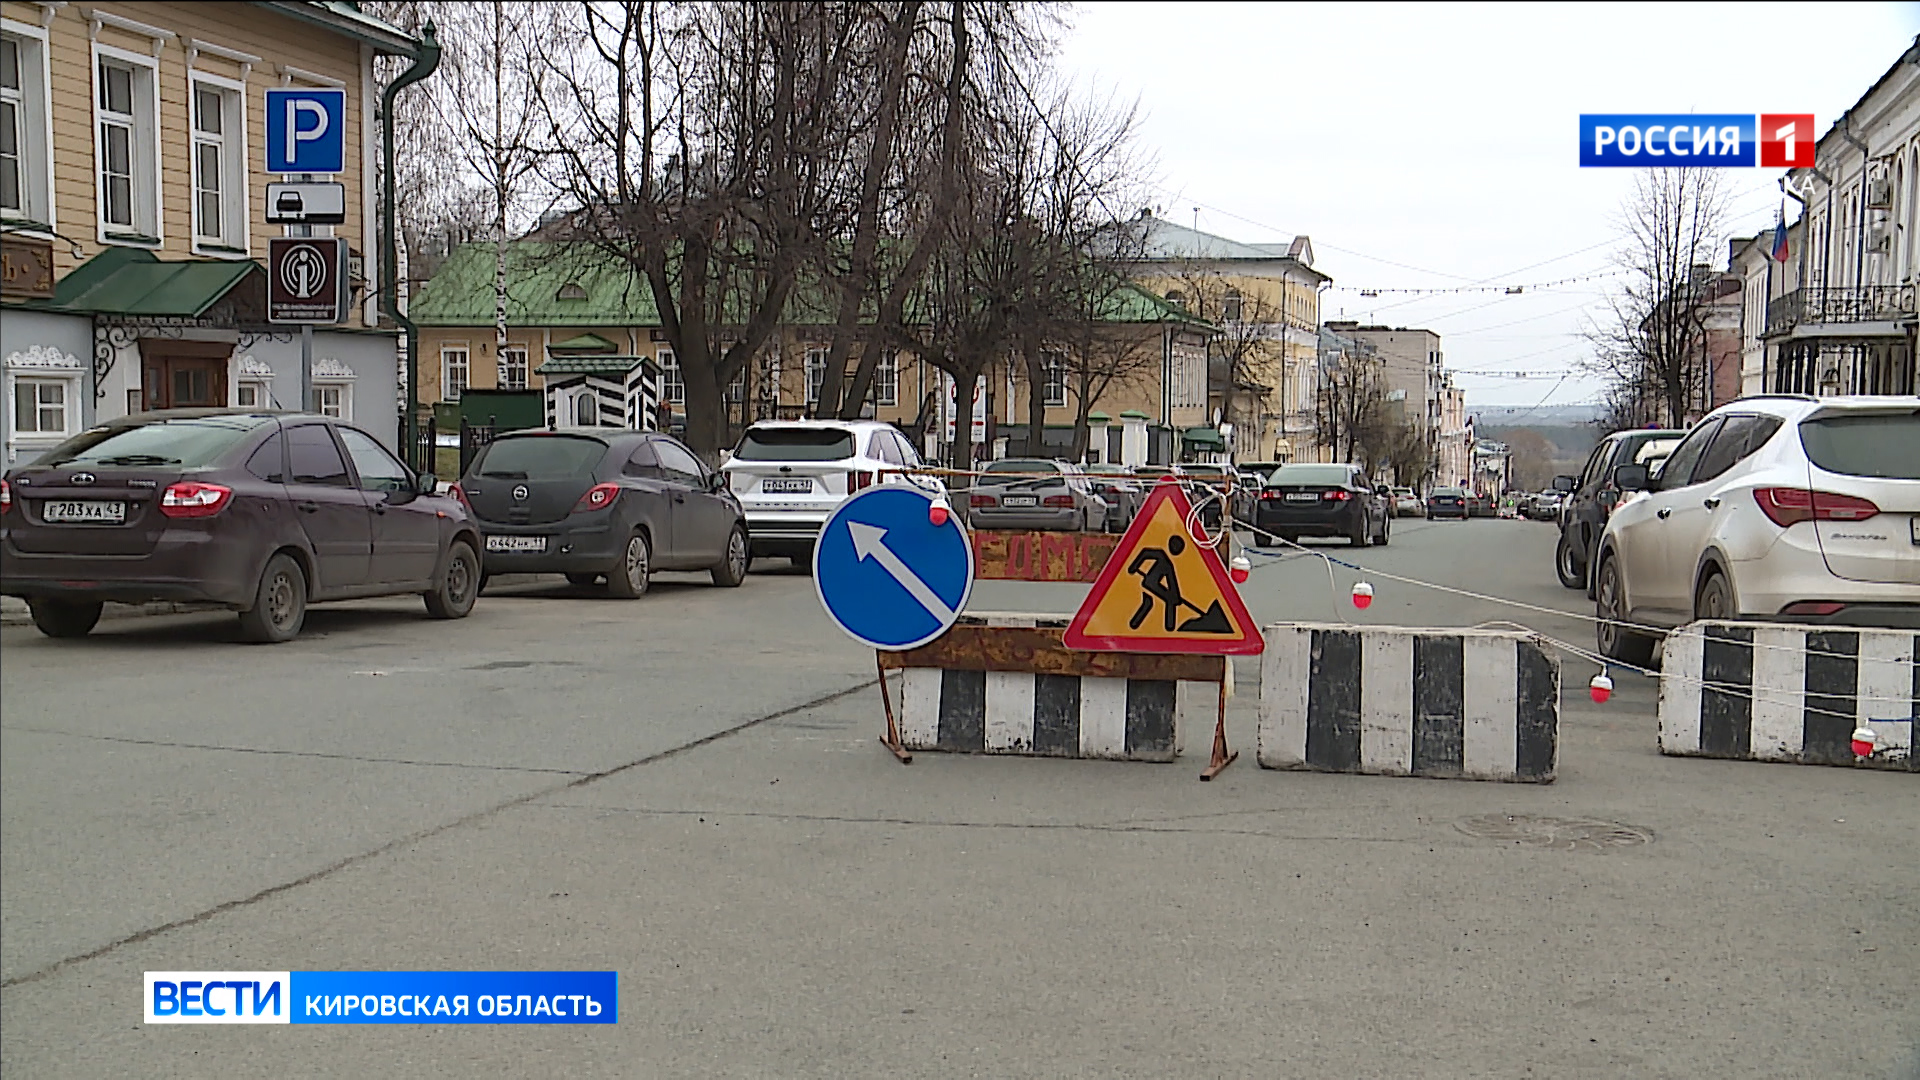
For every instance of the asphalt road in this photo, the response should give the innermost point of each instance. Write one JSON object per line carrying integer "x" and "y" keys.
{"x": 687, "y": 789}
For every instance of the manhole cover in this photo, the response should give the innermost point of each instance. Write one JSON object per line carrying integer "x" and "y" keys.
{"x": 1566, "y": 834}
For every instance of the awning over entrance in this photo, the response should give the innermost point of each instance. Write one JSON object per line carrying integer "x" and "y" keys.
{"x": 134, "y": 281}
{"x": 1202, "y": 436}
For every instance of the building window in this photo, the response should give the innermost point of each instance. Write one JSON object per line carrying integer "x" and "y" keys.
{"x": 1229, "y": 308}
{"x": 40, "y": 406}
{"x": 816, "y": 371}
{"x": 586, "y": 409}
{"x": 333, "y": 399}
{"x": 886, "y": 379}
{"x": 513, "y": 369}
{"x": 219, "y": 166}
{"x": 251, "y": 395}
{"x": 1053, "y": 370}
{"x": 26, "y": 174}
{"x": 453, "y": 373}
{"x": 125, "y": 107}
{"x": 673, "y": 389}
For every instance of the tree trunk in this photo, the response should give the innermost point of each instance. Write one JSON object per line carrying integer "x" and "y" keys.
{"x": 1036, "y": 365}
{"x": 962, "y": 451}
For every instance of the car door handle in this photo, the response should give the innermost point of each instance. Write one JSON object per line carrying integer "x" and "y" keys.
{"x": 1713, "y": 503}
{"x": 679, "y": 498}
{"x": 379, "y": 508}
{"x": 1663, "y": 513}
{"x": 307, "y": 507}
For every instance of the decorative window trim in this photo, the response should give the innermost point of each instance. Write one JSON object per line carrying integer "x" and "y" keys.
{"x": 145, "y": 144}
{"x": 328, "y": 369}
{"x": 251, "y": 368}
{"x": 96, "y": 18}
{"x": 236, "y": 181}
{"x": 44, "y": 363}
{"x": 288, "y": 73}
{"x": 246, "y": 60}
{"x": 37, "y": 128}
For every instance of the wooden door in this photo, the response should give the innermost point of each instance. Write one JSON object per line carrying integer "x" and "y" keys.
{"x": 184, "y": 374}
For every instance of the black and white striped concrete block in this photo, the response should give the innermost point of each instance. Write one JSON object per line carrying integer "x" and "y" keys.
{"x": 1393, "y": 701}
{"x": 1083, "y": 716}
{"x": 1790, "y": 693}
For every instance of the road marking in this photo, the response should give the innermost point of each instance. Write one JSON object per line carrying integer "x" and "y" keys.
{"x": 869, "y": 542}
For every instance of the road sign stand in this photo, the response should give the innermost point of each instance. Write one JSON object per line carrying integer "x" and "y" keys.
{"x": 891, "y": 740}
{"x": 1221, "y": 757}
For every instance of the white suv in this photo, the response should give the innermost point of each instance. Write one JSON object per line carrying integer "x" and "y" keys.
{"x": 790, "y": 475}
{"x": 1792, "y": 508}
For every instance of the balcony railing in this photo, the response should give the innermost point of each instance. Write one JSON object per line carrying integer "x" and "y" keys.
{"x": 1855, "y": 304}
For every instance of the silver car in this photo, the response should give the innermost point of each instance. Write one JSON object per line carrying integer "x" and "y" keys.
{"x": 1034, "y": 493}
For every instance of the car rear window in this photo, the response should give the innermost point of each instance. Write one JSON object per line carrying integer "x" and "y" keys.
{"x": 1451, "y": 493}
{"x": 1884, "y": 446}
{"x": 795, "y": 444}
{"x": 187, "y": 442}
{"x": 541, "y": 457}
{"x": 1019, "y": 466}
{"x": 1309, "y": 474}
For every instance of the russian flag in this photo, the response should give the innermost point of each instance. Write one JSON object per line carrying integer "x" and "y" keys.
{"x": 1780, "y": 239}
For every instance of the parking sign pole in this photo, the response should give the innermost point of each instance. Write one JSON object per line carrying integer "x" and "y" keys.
{"x": 306, "y": 367}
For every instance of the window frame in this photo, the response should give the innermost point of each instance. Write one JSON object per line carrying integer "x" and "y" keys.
{"x": 22, "y": 384}
{"x": 143, "y": 153}
{"x": 35, "y": 116}
{"x": 673, "y": 388}
{"x": 345, "y": 404}
{"x": 235, "y": 194}
{"x": 1053, "y": 368}
{"x": 886, "y": 379}
{"x": 446, "y": 372}
{"x": 813, "y": 374}
{"x": 525, "y": 368}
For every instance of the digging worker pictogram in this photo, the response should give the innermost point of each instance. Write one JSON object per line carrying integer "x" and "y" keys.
{"x": 1161, "y": 582}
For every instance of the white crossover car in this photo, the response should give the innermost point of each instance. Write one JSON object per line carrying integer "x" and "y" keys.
{"x": 790, "y": 475}
{"x": 1796, "y": 509}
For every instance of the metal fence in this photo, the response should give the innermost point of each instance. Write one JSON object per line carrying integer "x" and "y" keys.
{"x": 1852, "y": 304}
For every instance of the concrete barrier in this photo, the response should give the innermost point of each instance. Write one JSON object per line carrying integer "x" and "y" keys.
{"x": 1005, "y": 685}
{"x": 1392, "y": 701}
{"x": 1790, "y": 693}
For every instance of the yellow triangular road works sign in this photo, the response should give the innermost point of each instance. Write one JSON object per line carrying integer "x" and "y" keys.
{"x": 1162, "y": 593}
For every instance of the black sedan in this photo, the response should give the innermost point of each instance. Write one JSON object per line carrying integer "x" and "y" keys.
{"x": 1321, "y": 500}
{"x": 595, "y": 503}
{"x": 1447, "y": 502}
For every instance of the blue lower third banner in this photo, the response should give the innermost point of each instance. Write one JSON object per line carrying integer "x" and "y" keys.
{"x": 382, "y": 997}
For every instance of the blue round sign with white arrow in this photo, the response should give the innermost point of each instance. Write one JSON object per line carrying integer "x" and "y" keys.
{"x": 887, "y": 574}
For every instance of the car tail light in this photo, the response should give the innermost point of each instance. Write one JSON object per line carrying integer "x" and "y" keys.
{"x": 460, "y": 493}
{"x": 598, "y": 497}
{"x": 1789, "y": 506}
{"x": 1057, "y": 501}
{"x": 1812, "y": 607}
{"x": 982, "y": 500}
{"x": 6, "y": 496}
{"x": 192, "y": 499}
{"x": 858, "y": 480}
{"x": 1337, "y": 496}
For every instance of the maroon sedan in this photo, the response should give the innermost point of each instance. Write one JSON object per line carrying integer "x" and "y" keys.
{"x": 254, "y": 510}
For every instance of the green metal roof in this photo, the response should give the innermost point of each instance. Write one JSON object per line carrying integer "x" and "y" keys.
{"x": 1133, "y": 414}
{"x": 135, "y": 281}
{"x": 585, "y": 343}
{"x": 1202, "y": 436}
{"x": 591, "y": 364}
{"x": 1098, "y": 418}
{"x": 461, "y": 294}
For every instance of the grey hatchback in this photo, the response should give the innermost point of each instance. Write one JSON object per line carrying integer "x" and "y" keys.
{"x": 259, "y": 511}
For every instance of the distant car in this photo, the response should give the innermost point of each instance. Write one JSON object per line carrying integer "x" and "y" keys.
{"x": 1246, "y": 494}
{"x": 1321, "y": 500}
{"x": 1203, "y": 479}
{"x": 1590, "y": 497}
{"x": 1447, "y": 502}
{"x": 1123, "y": 495}
{"x": 790, "y": 475}
{"x": 1805, "y": 510}
{"x": 598, "y": 504}
{"x": 1479, "y": 505}
{"x": 260, "y": 511}
{"x": 1541, "y": 506}
{"x": 1035, "y": 493}
{"x": 1408, "y": 504}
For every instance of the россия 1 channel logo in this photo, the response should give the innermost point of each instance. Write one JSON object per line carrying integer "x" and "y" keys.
{"x": 1730, "y": 140}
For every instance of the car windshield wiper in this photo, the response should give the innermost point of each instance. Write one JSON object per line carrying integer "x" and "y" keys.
{"x": 138, "y": 459}
{"x": 505, "y": 475}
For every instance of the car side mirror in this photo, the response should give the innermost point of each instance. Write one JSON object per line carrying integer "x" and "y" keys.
{"x": 1565, "y": 483}
{"x": 1630, "y": 477}
{"x": 426, "y": 484}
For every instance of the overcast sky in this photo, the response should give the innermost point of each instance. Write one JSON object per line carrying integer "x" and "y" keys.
{"x": 1437, "y": 145}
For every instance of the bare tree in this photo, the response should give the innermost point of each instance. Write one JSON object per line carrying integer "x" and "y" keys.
{"x": 1650, "y": 343}
{"x": 1350, "y": 410}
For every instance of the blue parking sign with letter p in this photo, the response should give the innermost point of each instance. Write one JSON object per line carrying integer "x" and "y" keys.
{"x": 306, "y": 130}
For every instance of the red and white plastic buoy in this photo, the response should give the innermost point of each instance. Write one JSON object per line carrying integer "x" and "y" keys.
{"x": 1240, "y": 569}
{"x": 1600, "y": 689}
{"x": 939, "y": 511}
{"x": 1362, "y": 595}
{"x": 1864, "y": 742}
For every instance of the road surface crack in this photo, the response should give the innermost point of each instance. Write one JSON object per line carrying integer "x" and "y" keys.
{"x": 297, "y": 753}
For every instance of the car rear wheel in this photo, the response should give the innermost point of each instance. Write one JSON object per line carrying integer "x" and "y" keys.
{"x": 1571, "y": 568}
{"x": 1358, "y": 537}
{"x": 1386, "y": 531}
{"x": 1261, "y": 539}
{"x": 459, "y": 584}
{"x": 279, "y": 605}
{"x": 629, "y": 578}
{"x": 733, "y": 569}
{"x": 1610, "y": 610}
{"x": 1715, "y": 598}
{"x": 65, "y": 618}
